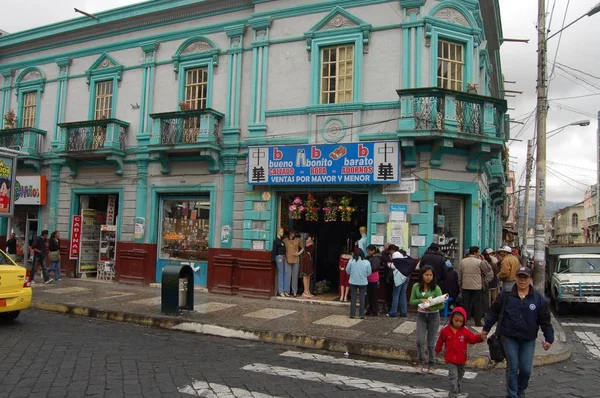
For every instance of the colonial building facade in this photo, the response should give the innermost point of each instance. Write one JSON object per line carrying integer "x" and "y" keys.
{"x": 155, "y": 117}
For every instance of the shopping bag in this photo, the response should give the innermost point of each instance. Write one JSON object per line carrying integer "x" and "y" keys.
{"x": 399, "y": 278}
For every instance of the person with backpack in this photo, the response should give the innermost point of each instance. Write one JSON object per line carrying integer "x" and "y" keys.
{"x": 523, "y": 311}
{"x": 405, "y": 265}
{"x": 455, "y": 337}
{"x": 374, "y": 258}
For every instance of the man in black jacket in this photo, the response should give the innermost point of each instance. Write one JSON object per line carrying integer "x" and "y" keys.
{"x": 39, "y": 257}
{"x": 525, "y": 312}
{"x": 436, "y": 260}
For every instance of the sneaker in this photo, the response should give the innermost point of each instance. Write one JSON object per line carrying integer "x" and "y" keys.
{"x": 49, "y": 281}
{"x": 419, "y": 369}
{"x": 285, "y": 294}
{"x": 281, "y": 295}
{"x": 32, "y": 282}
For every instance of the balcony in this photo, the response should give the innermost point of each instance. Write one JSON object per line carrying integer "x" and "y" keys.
{"x": 26, "y": 140}
{"x": 452, "y": 119}
{"x": 194, "y": 132}
{"x": 93, "y": 140}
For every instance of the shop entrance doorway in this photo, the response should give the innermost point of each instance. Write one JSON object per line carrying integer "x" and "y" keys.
{"x": 449, "y": 216}
{"x": 332, "y": 238}
{"x": 24, "y": 224}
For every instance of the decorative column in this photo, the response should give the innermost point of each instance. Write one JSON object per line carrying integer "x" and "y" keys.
{"x": 7, "y": 76}
{"x": 147, "y": 99}
{"x": 260, "y": 54}
{"x": 61, "y": 99}
{"x": 231, "y": 129}
{"x": 229, "y": 165}
{"x": 141, "y": 196}
{"x": 55, "y": 169}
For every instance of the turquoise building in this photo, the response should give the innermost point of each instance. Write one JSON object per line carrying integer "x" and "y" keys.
{"x": 152, "y": 118}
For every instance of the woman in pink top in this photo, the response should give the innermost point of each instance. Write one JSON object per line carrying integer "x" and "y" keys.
{"x": 374, "y": 258}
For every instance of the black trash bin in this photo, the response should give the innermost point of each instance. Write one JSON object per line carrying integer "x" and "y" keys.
{"x": 177, "y": 291}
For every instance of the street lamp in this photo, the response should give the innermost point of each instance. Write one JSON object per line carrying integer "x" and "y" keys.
{"x": 581, "y": 123}
{"x": 539, "y": 269}
{"x": 591, "y": 12}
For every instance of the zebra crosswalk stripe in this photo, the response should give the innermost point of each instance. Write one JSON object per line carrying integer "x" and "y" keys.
{"x": 348, "y": 381}
{"x": 214, "y": 390}
{"x": 364, "y": 364}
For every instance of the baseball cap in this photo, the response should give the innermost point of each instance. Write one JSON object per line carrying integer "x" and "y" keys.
{"x": 489, "y": 251}
{"x": 524, "y": 271}
{"x": 505, "y": 249}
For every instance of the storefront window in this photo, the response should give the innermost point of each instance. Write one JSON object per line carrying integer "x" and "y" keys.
{"x": 185, "y": 228}
{"x": 448, "y": 226}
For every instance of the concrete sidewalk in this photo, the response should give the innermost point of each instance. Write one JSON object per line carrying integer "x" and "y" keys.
{"x": 293, "y": 322}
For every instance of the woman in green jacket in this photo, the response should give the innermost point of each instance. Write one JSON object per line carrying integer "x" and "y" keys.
{"x": 428, "y": 318}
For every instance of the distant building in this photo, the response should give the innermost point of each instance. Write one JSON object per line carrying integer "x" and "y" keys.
{"x": 590, "y": 209}
{"x": 569, "y": 223}
{"x": 3, "y": 32}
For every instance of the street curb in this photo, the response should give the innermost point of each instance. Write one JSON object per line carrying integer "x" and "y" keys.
{"x": 289, "y": 339}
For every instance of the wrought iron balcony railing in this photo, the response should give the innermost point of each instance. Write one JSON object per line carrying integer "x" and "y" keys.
{"x": 437, "y": 109}
{"x": 24, "y": 139}
{"x": 93, "y": 135}
{"x": 185, "y": 127}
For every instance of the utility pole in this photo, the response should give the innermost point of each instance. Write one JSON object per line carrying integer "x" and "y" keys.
{"x": 539, "y": 269}
{"x": 528, "y": 171}
{"x": 517, "y": 210}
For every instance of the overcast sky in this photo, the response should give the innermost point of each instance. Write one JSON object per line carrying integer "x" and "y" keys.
{"x": 571, "y": 154}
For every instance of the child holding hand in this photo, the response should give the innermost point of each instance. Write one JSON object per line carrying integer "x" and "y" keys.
{"x": 455, "y": 337}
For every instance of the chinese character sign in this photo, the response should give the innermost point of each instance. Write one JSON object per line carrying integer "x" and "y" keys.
{"x": 75, "y": 245}
{"x": 353, "y": 163}
{"x": 7, "y": 183}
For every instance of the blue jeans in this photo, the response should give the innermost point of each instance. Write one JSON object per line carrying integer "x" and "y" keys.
{"x": 519, "y": 364}
{"x": 280, "y": 261}
{"x": 55, "y": 266}
{"x": 399, "y": 294}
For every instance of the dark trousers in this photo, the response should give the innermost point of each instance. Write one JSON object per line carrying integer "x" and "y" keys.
{"x": 472, "y": 304}
{"x": 360, "y": 292}
{"x": 373, "y": 308}
{"x": 39, "y": 260}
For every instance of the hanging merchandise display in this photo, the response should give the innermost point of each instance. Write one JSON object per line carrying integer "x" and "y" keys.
{"x": 331, "y": 209}
{"x": 90, "y": 240}
{"x": 312, "y": 209}
{"x": 296, "y": 209}
{"x": 106, "y": 260}
{"x": 345, "y": 209}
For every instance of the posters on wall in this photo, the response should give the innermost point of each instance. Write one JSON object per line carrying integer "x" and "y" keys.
{"x": 397, "y": 233}
{"x": 140, "y": 228}
{"x": 8, "y": 168}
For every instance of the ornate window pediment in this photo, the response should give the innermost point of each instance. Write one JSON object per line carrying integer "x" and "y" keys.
{"x": 31, "y": 77}
{"x": 338, "y": 21}
{"x": 196, "y": 48}
{"x": 452, "y": 15}
{"x": 105, "y": 65}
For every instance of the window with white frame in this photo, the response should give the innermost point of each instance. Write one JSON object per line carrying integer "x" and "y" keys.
{"x": 103, "y": 100}
{"x": 451, "y": 65}
{"x": 29, "y": 109}
{"x": 575, "y": 221}
{"x": 337, "y": 74}
{"x": 196, "y": 88}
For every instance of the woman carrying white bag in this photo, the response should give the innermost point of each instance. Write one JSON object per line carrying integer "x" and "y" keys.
{"x": 402, "y": 266}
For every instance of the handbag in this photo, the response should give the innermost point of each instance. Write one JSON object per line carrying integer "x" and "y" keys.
{"x": 55, "y": 256}
{"x": 494, "y": 341}
{"x": 399, "y": 278}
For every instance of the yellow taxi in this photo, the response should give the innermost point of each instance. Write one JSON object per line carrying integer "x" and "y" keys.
{"x": 15, "y": 288}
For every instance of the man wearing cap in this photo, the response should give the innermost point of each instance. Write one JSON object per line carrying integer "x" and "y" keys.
{"x": 509, "y": 265}
{"x": 436, "y": 259}
{"x": 526, "y": 311}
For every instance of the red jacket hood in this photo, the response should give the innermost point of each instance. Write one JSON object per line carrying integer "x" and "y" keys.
{"x": 462, "y": 311}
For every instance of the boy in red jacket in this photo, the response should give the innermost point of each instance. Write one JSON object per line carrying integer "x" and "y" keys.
{"x": 455, "y": 336}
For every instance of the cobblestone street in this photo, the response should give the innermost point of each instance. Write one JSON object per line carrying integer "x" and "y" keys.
{"x": 87, "y": 357}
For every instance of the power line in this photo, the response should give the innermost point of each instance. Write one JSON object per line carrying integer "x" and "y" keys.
{"x": 558, "y": 45}
{"x": 566, "y": 182}
{"x": 578, "y": 77}
{"x": 578, "y": 70}
{"x": 570, "y": 178}
{"x": 574, "y": 110}
{"x": 572, "y": 167}
{"x": 574, "y": 97}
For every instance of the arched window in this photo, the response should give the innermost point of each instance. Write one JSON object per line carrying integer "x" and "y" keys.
{"x": 575, "y": 221}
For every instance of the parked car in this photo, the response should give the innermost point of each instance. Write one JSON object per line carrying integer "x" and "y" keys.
{"x": 15, "y": 288}
{"x": 573, "y": 275}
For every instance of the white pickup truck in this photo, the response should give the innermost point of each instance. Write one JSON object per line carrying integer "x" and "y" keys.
{"x": 573, "y": 275}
